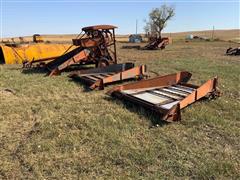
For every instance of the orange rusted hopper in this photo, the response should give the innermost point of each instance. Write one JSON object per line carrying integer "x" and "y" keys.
{"x": 21, "y": 53}
{"x": 99, "y": 77}
{"x": 166, "y": 95}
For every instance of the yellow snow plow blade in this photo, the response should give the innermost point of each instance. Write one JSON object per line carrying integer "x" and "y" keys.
{"x": 31, "y": 52}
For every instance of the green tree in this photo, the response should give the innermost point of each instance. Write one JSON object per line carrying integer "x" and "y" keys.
{"x": 158, "y": 18}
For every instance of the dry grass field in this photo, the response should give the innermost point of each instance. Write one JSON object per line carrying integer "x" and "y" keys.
{"x": 226, "y": 35}
{"x": 52, "y": 128}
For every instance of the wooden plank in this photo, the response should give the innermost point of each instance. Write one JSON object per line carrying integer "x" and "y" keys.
{"x": 185, "y": 87}
{"x": 169, "y": 105}
{"x": 184, "y": 94}
{"x": 137, "y": 91}
{"x": 170, "y": 95}
{"x": 154, "y": 99}
{"x": 182, "y": 89}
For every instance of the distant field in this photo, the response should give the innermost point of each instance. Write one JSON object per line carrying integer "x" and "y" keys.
{"x": 52, "y": 128}
{"x": 226, "y": 35}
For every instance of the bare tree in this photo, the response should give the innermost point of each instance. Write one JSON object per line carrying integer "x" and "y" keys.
{"x": 158, "y": 18}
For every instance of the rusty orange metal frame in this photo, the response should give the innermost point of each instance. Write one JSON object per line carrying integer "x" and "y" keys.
{"x": 93, "y": 48}
{"x": 99, "y": 77}
{"x": 166, "y": 95}
{"x": 157, "y": 43}
{"x": 97, "y": 27}
{"x": 59, "y": 64}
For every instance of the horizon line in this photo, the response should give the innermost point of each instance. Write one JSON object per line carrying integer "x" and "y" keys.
{"x": 134, "y": 33}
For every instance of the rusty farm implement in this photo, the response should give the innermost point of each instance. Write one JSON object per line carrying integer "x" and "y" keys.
{"x": 96, "y": 45}
{"x": 154, "y": 44}
{"x": 166, "y": 95}
{"x": 157, "y": 43}
{"x": 93, "y": 47}
{"x": 233, "y": 51}
{"x": 100, "y": 77}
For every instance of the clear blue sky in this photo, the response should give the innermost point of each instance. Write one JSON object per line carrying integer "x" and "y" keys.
{"x": 26, "y": 17}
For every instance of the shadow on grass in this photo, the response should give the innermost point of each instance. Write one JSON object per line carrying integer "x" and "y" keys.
{"x": 81, "y": 83}
{"x": 141, "y": 48}
{"x": 35, "y": 70}
{"x": 87, "y": 85}
{"x": 12, "y": 68}
{"x": 43, "y": 70}
{"x": 76, "y": 67}
{"x": 141, "y": 111}
{"x": 131, "y": 47}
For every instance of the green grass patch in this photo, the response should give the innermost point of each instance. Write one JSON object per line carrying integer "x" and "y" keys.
{"x": 52, "y": 128}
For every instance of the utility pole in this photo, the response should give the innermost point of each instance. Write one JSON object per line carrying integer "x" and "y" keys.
{"x": 213, "y": 33}
{"x": 136, "y": 26}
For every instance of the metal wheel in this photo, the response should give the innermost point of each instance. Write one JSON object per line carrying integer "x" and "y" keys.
{"x": 102, "y": 63}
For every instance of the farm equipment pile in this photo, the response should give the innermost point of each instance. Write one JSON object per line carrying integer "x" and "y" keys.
{"x": 164, "y": 95}
{"x": 154, "y": 44}
{"x": 233, "y": 51}
{"x": 157, "y": 43}
{"x": 91, "y": 47}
